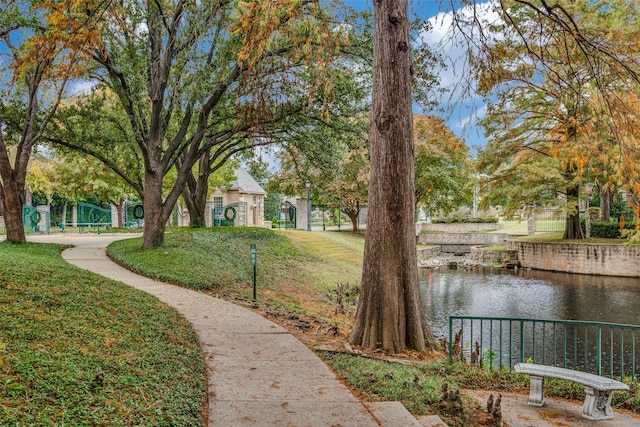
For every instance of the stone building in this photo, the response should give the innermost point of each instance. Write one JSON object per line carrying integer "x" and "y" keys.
{"x": 242, "y": 203}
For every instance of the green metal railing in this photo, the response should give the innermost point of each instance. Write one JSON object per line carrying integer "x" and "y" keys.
{"x": 606, "y": 349}
{"x": 92, "y": 214}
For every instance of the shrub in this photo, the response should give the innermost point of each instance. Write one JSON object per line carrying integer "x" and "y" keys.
{"x": 608, "y": 230}
{"x": 457, "y": 219}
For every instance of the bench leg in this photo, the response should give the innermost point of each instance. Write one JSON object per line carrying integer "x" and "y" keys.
{"x": 597, "y": 405}
{"x": 536, "y": 391}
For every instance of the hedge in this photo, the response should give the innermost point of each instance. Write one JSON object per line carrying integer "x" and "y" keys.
{"x": 465, "y": 220}
{"x": 609, "y": 230}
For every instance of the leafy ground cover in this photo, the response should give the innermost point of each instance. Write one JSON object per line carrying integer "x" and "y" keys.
{"x": 306, "y": 283}
{"x": 79, "y": 349}
{"x": 217, "y": 260}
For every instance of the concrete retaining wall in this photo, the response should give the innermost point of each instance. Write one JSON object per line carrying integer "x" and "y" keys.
{"x": 426, "y": 253}
{"x": 584, "y": 258}
{"x": 472, "y": 239}
{"x": 459, "y": 227}
{"x": 492, "y": 256}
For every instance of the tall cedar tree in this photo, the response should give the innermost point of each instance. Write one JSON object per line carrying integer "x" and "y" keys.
{"x": 390, "y": 314}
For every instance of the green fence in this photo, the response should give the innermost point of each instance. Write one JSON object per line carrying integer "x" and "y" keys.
{"x": 288, "y": 216}
{"x": 93, "y": 217}
{"x": 606, "y": 349}
{"x": 231, "y": 215}
{"x": 92, "y": 214}
{"x": 550, "y": 220}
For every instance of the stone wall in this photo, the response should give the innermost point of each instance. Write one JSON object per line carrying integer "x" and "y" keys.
{"x": 426, "y": 253}
{"x": 484, "y": 256}
{"x": 458, "y": 227}
{"x": 585, "y": 258}
{"x": 474, "y": 239}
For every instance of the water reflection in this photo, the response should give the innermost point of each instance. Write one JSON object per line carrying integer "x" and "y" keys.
{"x": 527, "y": 294}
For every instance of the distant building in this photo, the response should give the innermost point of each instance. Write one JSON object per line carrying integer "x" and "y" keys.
{"x": 242, "y": 204}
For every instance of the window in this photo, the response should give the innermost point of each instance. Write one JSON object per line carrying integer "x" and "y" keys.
{"x": 217, "y": 202}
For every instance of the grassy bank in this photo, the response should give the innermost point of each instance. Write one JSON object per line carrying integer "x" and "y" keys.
{"x": 79, "y": 349}
{"x": 294, "y": 270}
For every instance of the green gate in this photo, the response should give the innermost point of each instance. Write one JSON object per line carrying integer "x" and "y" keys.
{"x": 35, "y": 220}
{"x": 133, "y": 215}
{"x": 288, "y": 216}
{"x": 93, "y": 216}
{"x": 231, "y": 215}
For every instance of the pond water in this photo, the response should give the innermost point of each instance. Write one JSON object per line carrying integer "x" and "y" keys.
{"x": 490, "y": 292}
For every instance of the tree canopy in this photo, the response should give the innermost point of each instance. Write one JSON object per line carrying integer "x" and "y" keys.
{"x": 194, "y": 82}
{"x": 33, "y": 80}
{"x": 444, "y": 172}
{"x": 560, "y": 81}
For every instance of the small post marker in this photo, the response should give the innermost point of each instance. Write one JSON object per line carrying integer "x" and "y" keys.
{"x": 254, "y": 262}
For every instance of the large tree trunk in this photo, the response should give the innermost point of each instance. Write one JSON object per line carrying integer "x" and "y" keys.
{"x": 573, "y": 230}
{"x": 11, "y": 195}
{"x": 390, "y": 314}
{"x": 195, "y": 199}
{"x": 12, "y": 184}
{"x": 155, "y": 212}
{"x": 605, "y": 204}
{"x": 196, "y": 190}
{"x": 12, "y": 210}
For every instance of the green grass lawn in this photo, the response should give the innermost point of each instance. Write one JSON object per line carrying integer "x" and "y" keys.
{"x": 78, "y": 349}
{"x": 292, "y": 270}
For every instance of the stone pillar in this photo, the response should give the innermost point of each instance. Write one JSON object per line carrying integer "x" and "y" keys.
{"x": 301, "y": 213}
{"x": 115, "y": 221}
{"x": 74, "y": 216}
{"x": 43, "y": 224}
{"x": 587, "y": 225}
{"x": 531, "y": 225}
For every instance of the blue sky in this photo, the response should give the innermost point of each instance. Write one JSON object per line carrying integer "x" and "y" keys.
{"x": 460, "y": 116}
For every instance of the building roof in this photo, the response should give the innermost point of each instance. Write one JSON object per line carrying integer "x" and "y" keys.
{"x": 245, "y": 183}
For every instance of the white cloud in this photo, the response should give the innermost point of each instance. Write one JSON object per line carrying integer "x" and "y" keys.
{"x": 452, "y": 43}
{"x": 462, "y": 105}
{"x": 81, "y": 87}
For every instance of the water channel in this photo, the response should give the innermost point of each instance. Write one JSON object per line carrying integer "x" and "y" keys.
{"x": 493, "y": 292}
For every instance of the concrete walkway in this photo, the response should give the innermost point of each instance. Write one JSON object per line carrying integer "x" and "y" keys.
{"x": 258, "y": 373}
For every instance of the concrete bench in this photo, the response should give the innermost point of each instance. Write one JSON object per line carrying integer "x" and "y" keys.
{"x": 597, "y": 402}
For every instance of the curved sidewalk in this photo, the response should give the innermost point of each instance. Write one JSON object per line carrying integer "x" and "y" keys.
{"x": 258, "y": 373}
